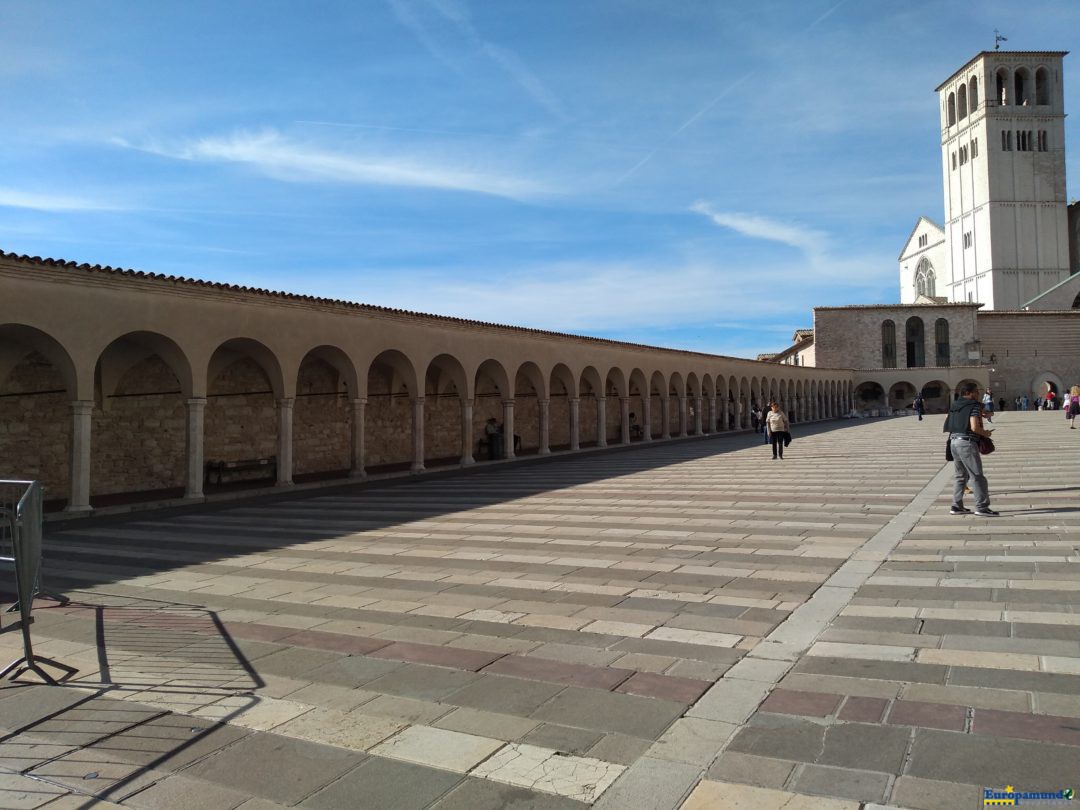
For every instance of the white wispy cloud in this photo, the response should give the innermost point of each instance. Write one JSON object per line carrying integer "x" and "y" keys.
{"x": 283, "y": 158}
{"x": 457, "y": 14}
{"x": 590, "y": 297}
{"x": 44, "y": 201}
{"x": 810, "y": 241}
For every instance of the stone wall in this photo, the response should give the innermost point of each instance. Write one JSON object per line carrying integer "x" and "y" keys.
{"x": 139, "y": 432}
{"x": 322, "y": 420}
{"x": 1029, "y": 348}
{"x": 850, "y": 337}
{"x": 35, "y": 425}
{"x": 241, "y": 417}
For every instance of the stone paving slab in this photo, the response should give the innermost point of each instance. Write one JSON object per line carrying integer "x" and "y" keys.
{"x": 674, "y": 624}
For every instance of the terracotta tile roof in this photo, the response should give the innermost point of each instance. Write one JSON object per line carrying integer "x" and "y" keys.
{"x": 311, "y": 299}
{"x": 974, "y": 305}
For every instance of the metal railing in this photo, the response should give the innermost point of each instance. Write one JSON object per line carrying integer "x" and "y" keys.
{"x": 20, "y": 549}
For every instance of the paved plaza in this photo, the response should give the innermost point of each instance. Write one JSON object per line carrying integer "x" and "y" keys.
{"x": 685, "y": 625}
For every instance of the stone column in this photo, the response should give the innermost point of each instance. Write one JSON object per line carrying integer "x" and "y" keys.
{"x": 665, "y": 416}
{"x": 508, "y": 428}
{"x": 724, "y": 414}
{"x": 285, "y": 442}
{"x": 359, "y": 409}
{"x": 601, "y": 421}
{"x": 684, "y": 417}
{"x": 79, "y": 478}
{"x": 575, "y": 425}
{"x": 196, "y": 419}
{"x": 417, "y": 435}
{"x": 624, "y": 412}
{"x": 545, "y": 426}
{"x": 466, "y": 432}
{"x": 646, "y": 418}
{"x": 698, "y": 416}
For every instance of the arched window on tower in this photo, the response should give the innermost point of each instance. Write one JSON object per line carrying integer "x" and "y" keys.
{"x": 1042, "y": 86}
{"x": 952, "y": 109}
{"x": 961, "y": 102}
{"x": 1001, "y": 95}
{"x": 916, "y": 342}
{"x": 888, "y": 344}
{"x": 941, "y": 342}
{"x": 973, "y": 93}
{"x": 1022, "y": 85}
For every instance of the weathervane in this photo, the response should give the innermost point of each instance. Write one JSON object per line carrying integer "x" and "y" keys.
{"x": 998, "y": 39}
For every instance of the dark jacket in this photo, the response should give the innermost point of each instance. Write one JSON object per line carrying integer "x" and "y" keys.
{"x": 960, "y": 413}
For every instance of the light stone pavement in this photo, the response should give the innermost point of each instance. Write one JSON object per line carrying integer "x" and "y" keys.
{"x": 690, "y": 624}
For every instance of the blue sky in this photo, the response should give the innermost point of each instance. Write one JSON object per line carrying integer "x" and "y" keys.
{"x": 690, "y": 174}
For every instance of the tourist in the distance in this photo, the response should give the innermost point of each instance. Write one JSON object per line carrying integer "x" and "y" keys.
{"x": 964, "y": 426}
{"x": 919, "y": 405}
{"x": 1074, "y": 406}
{"x": 776, "y": 422}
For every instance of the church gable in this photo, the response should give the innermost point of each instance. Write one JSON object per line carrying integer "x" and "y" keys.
{"x": 926, "y": 233}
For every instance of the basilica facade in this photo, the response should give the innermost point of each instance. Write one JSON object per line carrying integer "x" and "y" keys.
{"x": 992, "y": 295}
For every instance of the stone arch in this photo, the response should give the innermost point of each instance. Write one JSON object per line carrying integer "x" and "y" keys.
{"x": 694, "y": 404}
{"x": 901, "y": 395}
{"x": 1022, "y": 86}
{"x": 563, "y": 388}
{"x": 530, "y": 387}
{"x": 323, "y": 422}
{"x": 448, "y": 419}
{"x": 1041, "y": 383}
{"x": 491, "y": 388}
{"x": 677, "y": 406}
{"x": 391, "y": 433}
{"x": 742, "y": 404}
{"x": 591, "y": 386}
{"x": 869, "y": 395}
{"x": 640, "y": 405}
{"x": 38, "y": 382}
{"x": 1042, "y": 86}
{"x": 614, "y": 390}
{"x": 937, "y": 396}
{"x": 961, "y": 102}
{"x": 951, "y": 109}
{"x": 973, "y": 94}
{"x": 142, "y": 382}
{"x": 245, "y": 408}
{"x": 658, "y": 396}
{"x": 1003, "y": 90}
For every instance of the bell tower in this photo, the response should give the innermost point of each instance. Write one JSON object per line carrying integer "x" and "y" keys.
{"x": 1003, "y": 165}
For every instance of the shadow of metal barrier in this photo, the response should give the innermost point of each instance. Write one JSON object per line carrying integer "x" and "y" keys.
{"x": 170, "y": 678}
{"x": 20, "y": 548}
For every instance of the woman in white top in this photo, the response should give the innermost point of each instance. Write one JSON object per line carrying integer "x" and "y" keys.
{"x": 777, "y": 422}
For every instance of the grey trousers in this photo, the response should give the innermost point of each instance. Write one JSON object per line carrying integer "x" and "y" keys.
{"x": 968, "y": 464}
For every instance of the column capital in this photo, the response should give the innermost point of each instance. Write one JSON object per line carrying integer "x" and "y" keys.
{"x": 624, "y": 399}
{"x": 286, "y": 402}
{"x": 358, "y": 401}
{"x": 545, "y": 401}
{"x": 82, "y": 407}
{"x": 418, "y": 401}
{"x": 508, "y": 403}
{"x": 195, "y": 402}
{"x": 574, "y": 400}
{"x": 602, "y": 396}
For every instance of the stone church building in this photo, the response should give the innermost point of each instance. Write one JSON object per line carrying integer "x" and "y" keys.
{"x": 992, "y": 294}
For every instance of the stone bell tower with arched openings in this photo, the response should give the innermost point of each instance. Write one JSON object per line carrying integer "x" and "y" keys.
{"x": 1003, "y": 163}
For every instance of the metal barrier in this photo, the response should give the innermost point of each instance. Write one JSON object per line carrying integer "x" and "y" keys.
{"x": 20, "y": 546}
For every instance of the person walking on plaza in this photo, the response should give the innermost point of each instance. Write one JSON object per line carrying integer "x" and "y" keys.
{"x": 776, "y": 422}
{"x": 964, "y": 425}
{"x": 919, "y": 405}
{"x": 1074, "y": 406}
